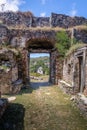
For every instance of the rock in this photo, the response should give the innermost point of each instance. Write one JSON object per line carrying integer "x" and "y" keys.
{"x": 72, "y": 98}
{"x": 10, "y": 99}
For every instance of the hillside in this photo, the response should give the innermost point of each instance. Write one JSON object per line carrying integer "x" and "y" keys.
{"x": 40, "y": 63}
{"x": 44, "y": 58}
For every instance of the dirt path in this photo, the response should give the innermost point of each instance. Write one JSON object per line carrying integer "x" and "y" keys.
{"x": 44, "y": 107}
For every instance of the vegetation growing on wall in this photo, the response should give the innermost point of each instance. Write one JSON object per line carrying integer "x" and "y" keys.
{"x": 74, "y": 47}
{"x": 62, "y": 42}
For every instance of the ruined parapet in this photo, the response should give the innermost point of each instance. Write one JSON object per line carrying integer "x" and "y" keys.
{"x": 64, "y": 21}
{"x": 26, "y": 19}
{"x": 81, "y": 35}
{"x": 40, "y": 22}
{"x": 16, "y": 19}
{"x": 17, "y": 28}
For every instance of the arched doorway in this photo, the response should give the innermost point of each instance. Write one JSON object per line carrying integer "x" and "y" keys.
{"x": 41, "y": 46}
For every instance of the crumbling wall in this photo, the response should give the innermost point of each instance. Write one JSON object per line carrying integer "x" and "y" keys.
{"x": 68, "y": 69}
{"x": 71, "y": 73}
{"x": 8, "y": 70}
{"x": 75, "y": 70}
{"x": 64, "y": 21}
{"x": 26, "y": 19}
{"x": 80, "y": 35}
{"x": 5, "y": 82}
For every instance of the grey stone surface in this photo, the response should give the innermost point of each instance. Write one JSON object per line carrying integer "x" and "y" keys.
{"x": 60, "y": 20}
{"x": 28, "y": 20}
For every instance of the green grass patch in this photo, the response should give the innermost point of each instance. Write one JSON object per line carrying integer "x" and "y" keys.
{"x": 45, "y": 108}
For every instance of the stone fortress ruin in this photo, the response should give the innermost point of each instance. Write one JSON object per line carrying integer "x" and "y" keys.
{"x": 22, "y": 33}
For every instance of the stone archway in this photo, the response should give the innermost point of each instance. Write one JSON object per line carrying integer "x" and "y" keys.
{"x": 40, "y": 46}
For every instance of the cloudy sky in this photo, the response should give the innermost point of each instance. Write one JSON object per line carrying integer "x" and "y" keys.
{"x": 45, "y": 7}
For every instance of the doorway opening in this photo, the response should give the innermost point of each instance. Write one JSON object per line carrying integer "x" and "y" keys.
{"x": 39, "y": 68}
{"x": 81, "y": 75}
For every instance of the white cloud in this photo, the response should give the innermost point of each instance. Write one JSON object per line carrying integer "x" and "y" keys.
{"x": 43, "y": 14}
{"x": 73, "y": 12}
{"x": 10, "y": 5}
{"x": 43, "y": 2}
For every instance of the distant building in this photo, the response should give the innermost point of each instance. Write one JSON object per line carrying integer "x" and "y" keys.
{"x": 40, "y": 70}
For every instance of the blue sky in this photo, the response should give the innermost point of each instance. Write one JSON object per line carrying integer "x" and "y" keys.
{"x": 45, "y": 7}
{"x": 34, "y": 55}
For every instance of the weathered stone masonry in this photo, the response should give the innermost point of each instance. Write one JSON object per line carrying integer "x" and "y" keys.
{"x": 75, "y": 77}
{"x": 28, "y": 20}
{"x": 75, "y": 69}
{"x": 20, "y": 31}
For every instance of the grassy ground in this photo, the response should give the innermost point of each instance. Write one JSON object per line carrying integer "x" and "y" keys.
{"x": 42, "y": 108}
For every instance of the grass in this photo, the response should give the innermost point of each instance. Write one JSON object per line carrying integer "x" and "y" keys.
{"x": 81, "y": 27}
{"x": 73, "y": 48}
{"x": 43, "y": 108}
{"x": 23, "y": 27}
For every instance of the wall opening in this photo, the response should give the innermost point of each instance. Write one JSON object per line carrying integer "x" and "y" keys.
{"x": 81, "y": 75}
{"x": 39, "y": 67}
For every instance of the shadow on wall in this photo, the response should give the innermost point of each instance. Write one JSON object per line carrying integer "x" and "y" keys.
{"x": 13, "y": 118}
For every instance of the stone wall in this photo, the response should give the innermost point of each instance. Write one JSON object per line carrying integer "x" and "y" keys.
{"x": 20, "y": 37}
{"x": 80, "y": 35}
{"x": 40, "y": 22}
{"x": 71, "y": 73}
{"x": 23, "y": 19}
{"x": 4, "y": 35}
{"x": 5, "y": 82}
{"x": 26, "y": 19}
{"x": 85, "y": 89}
{"x": 64, "y": 21}
{"x": 75, "y": 72}
{"x": 58, "y": 69}
{"x": 55, "y": 67}
{"x": 8, "y": 70}
{"x": 28, "y": 38}
{"x": 16, "y": 19}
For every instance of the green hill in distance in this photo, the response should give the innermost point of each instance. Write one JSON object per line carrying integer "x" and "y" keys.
{"x": 42, "y": 63}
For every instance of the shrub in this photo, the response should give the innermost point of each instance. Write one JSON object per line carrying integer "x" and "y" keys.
{"x": 62, "y": 42}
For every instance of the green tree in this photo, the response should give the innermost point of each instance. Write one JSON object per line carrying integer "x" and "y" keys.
{"x": 40, "y": 63}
